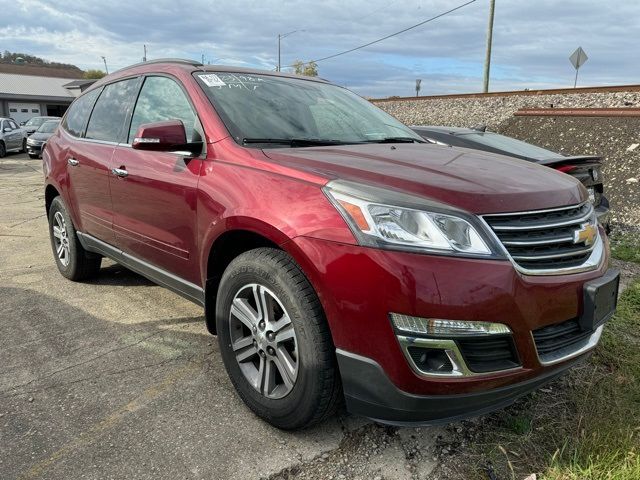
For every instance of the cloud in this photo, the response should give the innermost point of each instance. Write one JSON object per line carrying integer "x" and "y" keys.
{"x": 532, "y": 40}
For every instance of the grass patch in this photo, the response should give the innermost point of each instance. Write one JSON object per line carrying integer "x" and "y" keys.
{"x": 583, "y": 426}
{"x": 626, "y": 247}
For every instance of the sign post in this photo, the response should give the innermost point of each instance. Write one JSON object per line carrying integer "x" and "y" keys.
{"x": 418, "y": 82}
{"x": 577, "y": 59}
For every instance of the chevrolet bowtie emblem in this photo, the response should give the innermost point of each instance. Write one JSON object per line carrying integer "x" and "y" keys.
{"x": 587, "y": 234}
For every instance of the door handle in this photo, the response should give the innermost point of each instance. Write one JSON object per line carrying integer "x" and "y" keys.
{"x": 120, "y": 172}
{"x": 72, "y": 161}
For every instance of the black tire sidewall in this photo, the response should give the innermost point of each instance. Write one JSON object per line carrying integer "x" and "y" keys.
{"x": 68, "y": 271}
{"x": 293, "y": 410}
{"x": 3, "y": 150}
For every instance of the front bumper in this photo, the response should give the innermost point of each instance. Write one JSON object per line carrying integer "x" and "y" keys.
{"x": 359, "y": 287}
{"x": 34, "y": 149}
{"x": 369, "y": 392}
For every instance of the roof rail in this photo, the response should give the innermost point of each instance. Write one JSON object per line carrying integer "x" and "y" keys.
{"x": 184, "y": 61}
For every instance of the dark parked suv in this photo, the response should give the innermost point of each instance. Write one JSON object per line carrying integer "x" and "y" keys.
{"x": 336, "y": 254}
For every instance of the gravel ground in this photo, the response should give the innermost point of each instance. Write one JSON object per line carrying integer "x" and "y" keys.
{"x": 492, "y": 111}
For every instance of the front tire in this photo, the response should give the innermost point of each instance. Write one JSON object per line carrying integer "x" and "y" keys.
{"x": 33, "y": 156}
{"x": 73, "y": 261}
{"x": 24, "y": 146}
{"x": 3, "y": 150}
{"x": 275, "y": 341}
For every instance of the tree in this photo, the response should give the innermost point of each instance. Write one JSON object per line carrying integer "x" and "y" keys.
{"x": 309, "y": 69}
{"x": 97, "y": 74}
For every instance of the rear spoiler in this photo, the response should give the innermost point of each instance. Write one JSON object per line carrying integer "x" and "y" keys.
{"x": 577, "y": 160}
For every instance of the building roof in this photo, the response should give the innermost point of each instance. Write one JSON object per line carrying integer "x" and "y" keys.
{"x": 79, "y": 83}
{"x": 34, "y": 86}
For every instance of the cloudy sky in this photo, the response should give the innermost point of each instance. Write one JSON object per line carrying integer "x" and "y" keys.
{"x": 532, "y": 39}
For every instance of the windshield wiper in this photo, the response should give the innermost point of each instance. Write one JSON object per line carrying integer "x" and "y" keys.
{"x": 397, "y": 140}
{"x": 293, "y": 142}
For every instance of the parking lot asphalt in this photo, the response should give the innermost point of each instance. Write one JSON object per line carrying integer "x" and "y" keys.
{"x": 118, "y": 378}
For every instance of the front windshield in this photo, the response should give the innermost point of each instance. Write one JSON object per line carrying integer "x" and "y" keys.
{"x": 266, "y": 107}
{"x": 511, "y": 145}
{"x": 35, "y": 122}
{"x": 48, "y": 127}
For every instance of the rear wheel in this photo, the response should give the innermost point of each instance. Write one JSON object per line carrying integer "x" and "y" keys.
{"x": 275, "y": 341}
{"x": 73, "y": 261}
{"x": 3, "y": 150}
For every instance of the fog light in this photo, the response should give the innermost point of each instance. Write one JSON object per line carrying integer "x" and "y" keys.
{"x": 446, "y": 328}
{"x": 431, "y": 360}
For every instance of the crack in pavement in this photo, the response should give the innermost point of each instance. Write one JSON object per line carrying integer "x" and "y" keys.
{"x": 51, "y": 374}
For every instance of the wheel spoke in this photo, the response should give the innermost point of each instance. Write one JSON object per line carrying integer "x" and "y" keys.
{"x": 59, "y": 250}
{"x": 281, "y": 324}
{"x": 57, "y": 232}
{"x": 285, "y": 334}
{"x": 269, "y": 378}
{"x": 243, "y": 312}
{"x": 260, "y": 376}
{"x": 244, "y": 351}
{"x": 286, "y": 365}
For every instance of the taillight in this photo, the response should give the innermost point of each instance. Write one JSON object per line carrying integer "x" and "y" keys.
{"x": 566, "y": 168}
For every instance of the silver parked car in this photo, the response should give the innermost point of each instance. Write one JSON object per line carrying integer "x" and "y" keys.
{"x": 12, "y": 137}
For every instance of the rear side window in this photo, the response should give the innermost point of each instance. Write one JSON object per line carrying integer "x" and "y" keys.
{"x": 111, "y": 110}
{"x": 78, "y": 113}
{"x": 162, "y": 99}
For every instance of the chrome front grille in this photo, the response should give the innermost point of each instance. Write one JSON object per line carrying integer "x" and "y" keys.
{"x": 544, "y": 241}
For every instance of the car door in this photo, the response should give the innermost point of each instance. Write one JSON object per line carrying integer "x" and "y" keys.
{"x": 14, "y": 137}
{"x": 5, "y": 136}
{"x": 155, "y": 203}
{"x": 89, "y": 157}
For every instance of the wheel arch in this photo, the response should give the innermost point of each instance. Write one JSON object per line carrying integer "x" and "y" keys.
{"x": 50, "y": 192}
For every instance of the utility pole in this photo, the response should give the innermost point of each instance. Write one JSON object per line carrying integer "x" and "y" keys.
{"x": 487, "y": 60}
{"x": 202, "y": 62}
{"x": 104, "y": 59}
{"x": 144, "y": 57}
{"x": 280, "y": 37}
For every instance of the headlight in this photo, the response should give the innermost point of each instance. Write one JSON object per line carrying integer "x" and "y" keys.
{"x": 393, "y": 226}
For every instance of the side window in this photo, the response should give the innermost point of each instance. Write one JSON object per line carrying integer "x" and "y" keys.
{"x": 110, "y": 113}
{"x": 78, "y": 113}
{"x": 13, "y": 125}
{"x": 162, "y": 99}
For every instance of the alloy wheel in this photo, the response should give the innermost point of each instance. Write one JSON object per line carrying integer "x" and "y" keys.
{"x": 60, "y": 238}
{"x": 263, "y": 341}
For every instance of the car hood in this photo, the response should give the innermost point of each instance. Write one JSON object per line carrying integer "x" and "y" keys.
{"x": 40, "y": 136}
{"x": 475, "y": 181}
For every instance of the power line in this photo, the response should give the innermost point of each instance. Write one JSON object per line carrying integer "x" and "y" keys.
{"x": 392, "y": 35}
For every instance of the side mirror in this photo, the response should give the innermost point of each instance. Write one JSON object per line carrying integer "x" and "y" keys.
{"x": 7, "y": 130}
{"x": 165, "y": 136}
{"x": 22, "y": 124}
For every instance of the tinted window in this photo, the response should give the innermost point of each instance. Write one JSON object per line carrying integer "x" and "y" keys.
{"x": 162, "y": 99}
{"x": 110, "y": 113}
{"x": 13, "y": 125}
{"x": 78, "y": 113}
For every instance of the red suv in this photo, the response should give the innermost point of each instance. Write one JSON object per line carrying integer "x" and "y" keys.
{"x": 335, "y": 253}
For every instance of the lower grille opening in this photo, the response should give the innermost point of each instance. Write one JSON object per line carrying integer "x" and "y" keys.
{"x": 552, "y": 339}
{"x": 488, "y": 354}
